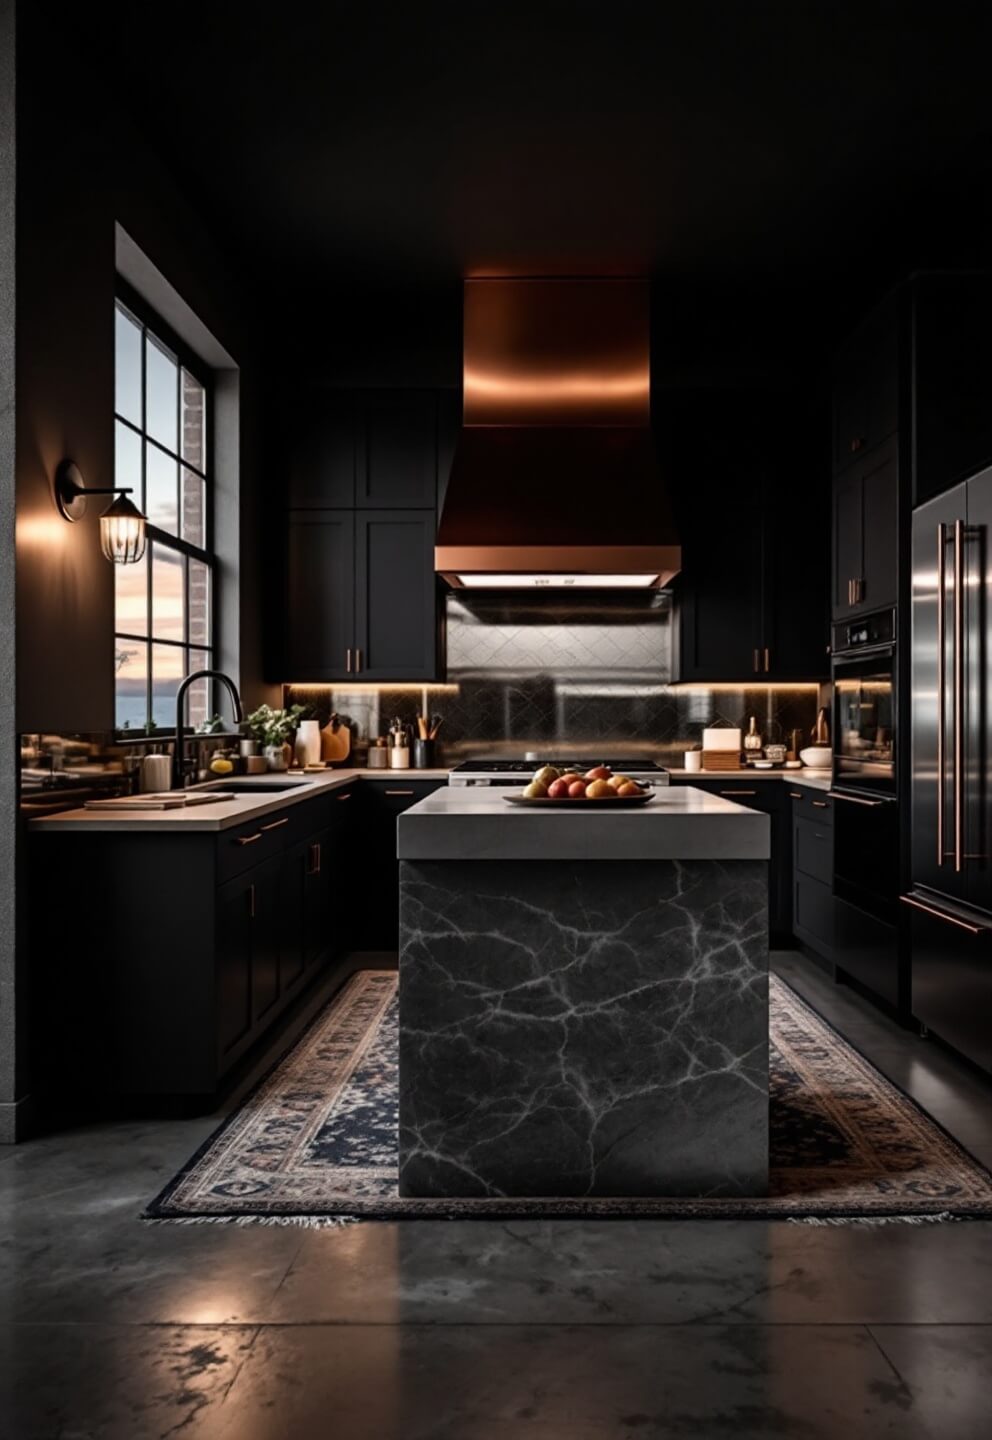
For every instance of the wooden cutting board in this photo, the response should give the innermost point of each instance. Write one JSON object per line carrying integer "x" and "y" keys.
{"x": 335, "y": 741}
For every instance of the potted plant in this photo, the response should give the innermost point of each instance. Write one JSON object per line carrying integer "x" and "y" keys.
{"x": 272, "y": 729}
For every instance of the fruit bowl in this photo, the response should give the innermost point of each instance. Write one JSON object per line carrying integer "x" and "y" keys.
{"x": 598, "y": 786}
{"x": 611, "y": 802}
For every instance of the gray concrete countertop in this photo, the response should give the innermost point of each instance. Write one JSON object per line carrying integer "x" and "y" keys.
{"x": 808, "y": 777}
{"x": 681, "y": 823}
{"x": 235, "y": 810}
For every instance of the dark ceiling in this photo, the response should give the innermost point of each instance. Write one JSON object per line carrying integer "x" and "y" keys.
{"x": 726, "y": 143}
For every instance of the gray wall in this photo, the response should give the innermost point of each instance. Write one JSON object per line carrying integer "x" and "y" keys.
{"x": 8, "y": 731}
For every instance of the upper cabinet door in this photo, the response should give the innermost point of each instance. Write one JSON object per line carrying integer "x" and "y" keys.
{"x": 879, "y": 505}
{"x": 866, "y": 388}
{"x": 848, "y": 543}
{"x": 323, "y": 455}
{"x": 398, "y": 460}
{"x": 396, "y": 595}
{"x": 319, "y": 624}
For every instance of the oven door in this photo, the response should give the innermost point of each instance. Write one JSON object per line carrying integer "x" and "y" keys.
{"x": 864, "y": 721}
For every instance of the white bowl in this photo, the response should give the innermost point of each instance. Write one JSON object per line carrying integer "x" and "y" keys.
{"x": 817, "y": 757}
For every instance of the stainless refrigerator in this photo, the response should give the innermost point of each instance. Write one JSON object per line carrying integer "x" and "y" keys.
{"x": 950, "y": 900}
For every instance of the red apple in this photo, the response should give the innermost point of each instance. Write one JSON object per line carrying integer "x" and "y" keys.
{"x": 558, "y": 790}
{"x": 599, "y": 772}
{"x": 577, "y": 789}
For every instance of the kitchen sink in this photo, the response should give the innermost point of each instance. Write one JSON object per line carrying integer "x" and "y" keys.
{"x": 253, "y": 787}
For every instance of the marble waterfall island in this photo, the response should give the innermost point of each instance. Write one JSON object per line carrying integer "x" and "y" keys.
{"x": 583, "y": 998}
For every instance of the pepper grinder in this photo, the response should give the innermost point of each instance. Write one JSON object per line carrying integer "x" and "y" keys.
{"x": 399, "y": 751}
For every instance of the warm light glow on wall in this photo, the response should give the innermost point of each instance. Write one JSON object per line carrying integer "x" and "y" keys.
{"x": 353, "y": 688}
{"x": 725, "y": 688}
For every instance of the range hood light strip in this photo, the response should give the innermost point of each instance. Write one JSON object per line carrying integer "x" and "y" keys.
{"x": 562, "y": 581}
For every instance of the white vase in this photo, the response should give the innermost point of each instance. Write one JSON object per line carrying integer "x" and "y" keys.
{"x": 308, "y": 742}
{"x": 277, "y": 757}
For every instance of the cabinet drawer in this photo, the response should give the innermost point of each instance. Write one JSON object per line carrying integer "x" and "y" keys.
{"x": 812, "y": 805}
{"x": 398, "y": 794}
{"x": 815, "y": 851}
{"x": 246, "y": 845}
{"x": 762, "y": 795}
{"x": 813, "y": 914}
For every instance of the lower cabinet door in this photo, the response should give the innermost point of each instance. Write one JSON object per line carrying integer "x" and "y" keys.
{"x": 317, "y": 939}
{"x": 294, "y": 881}
{"x": 233, "y": 951}
{"x": 867, "y": 949}
{"x": 266, "y": 916}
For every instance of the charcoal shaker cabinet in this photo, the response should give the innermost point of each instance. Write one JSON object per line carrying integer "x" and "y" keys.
{"x": 398, "y": 455}
{"x": 396, "y": 626}
{"x": 866, "y": 535}
{"x": 383, "y": 801}
{"x": 813, "y": 910}
{"x": 319, "y": 624}
{"x": 210, "y": 936}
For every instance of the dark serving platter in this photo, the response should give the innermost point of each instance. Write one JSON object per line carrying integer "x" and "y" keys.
{"x": 613, "y": 802}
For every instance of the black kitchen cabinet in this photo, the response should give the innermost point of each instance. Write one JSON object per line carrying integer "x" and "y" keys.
{"x": 813, "y": 915}
{"x": 398, "y": 462}
{"x": 751, "y": 497}
{"x": 952, "y": 979}
{"x": 360, "y": 592}
{"x": 382, "y": 801}
{"x": 362, "y": 596}
{"x": 866, "y": 534}
{"x": 322, "y": 450}
{"x": 318, "y": 627}
{"x": 866, "y": 385}
{"x": 396, "y": 629}
{"x": 767, "y": 796}
{"x": 183, "y": 991}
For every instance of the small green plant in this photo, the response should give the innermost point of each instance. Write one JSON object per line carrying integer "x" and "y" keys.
{"x": 274, "y": 727}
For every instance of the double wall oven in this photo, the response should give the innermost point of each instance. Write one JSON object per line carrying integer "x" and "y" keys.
{"x": 866, "y": 815}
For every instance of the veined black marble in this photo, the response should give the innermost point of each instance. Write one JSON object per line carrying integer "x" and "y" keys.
{"x": 583, "y": 1028}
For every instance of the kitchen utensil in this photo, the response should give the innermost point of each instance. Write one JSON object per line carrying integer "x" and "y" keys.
{"x": 156, "y": 773}
{"x": 821, "y": 730}
{"x": 423, "y": 754}
{"x": 763, "y": 764}
{"x": 436, "y": 722}
{"x": 335, "y": 741}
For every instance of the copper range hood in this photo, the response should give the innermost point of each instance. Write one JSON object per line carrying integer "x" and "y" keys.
{"x": 555, "y": 482}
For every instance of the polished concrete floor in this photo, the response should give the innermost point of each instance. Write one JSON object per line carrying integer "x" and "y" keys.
{"x": 475, "y": 1330}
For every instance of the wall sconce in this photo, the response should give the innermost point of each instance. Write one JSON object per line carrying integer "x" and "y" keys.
{"x": 122, "y": 525}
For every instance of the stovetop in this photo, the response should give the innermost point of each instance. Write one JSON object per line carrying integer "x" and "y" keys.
{"x": 527, "y": 767}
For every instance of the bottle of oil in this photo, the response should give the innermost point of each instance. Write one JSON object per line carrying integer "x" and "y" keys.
{"x": 752, "y": 740}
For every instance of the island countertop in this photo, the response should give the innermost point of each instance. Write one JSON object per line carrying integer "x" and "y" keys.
{"x": 681, "y": 823}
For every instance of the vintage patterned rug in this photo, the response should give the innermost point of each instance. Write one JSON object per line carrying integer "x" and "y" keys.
{"x": 316, "y": 1141}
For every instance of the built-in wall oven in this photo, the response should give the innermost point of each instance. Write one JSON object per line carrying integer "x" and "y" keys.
{"x": 866, "y": 823}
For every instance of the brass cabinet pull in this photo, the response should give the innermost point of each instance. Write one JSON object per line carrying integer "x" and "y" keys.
{"x": 345, "y": 797}
{"x": 754, "y": 660}
{"x": 358, "y": 661}
{"x": 399, "y": 792}
{"x": 942, "y": 915}
{"x": 347, "y": 663}
{"x": 320, "y": 857}
{"x": 251, "y": 902}
{"x": 821, "y": 804}
{"x": 767, "y": 665}
{"x": 958, "y": 698}
{"x": 247, "y": 839}
{"x": 941, "y": 684}
{"x": 795, "y": 794}
{"x": 277, "y": 824}
{"x": 314, "y": 866}
{"x": 856, "y": 443}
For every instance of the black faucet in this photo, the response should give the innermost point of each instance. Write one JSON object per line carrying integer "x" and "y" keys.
{"x": 178, "y": 758}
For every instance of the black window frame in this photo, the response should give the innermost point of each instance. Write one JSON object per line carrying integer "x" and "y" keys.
{"x": 150, "y": 321}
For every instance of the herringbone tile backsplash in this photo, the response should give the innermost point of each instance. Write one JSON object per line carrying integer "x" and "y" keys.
{"x": 587, "y": 676}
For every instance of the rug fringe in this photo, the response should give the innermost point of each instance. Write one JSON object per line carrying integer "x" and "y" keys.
{"x": 945, "y": 1217}
{"x": 303, "y": 1222}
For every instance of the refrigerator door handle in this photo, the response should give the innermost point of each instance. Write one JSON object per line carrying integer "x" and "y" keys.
{"x": 941, "y": 685}
{"x": 958, "y": 696}
{"x": 945, "y": 916}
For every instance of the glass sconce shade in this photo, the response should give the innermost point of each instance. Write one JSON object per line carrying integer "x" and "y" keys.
{"x": 122, "y": 532}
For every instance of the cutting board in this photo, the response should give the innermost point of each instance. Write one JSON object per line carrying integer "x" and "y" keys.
{"x": 335, "y": 741}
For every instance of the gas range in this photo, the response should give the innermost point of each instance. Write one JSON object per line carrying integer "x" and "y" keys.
{"x": 516, "y": 772}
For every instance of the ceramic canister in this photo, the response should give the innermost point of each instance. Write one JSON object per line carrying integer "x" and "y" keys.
{"x": 308, "y": 742}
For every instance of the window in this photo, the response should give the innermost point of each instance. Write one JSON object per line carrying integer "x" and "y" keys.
{"x": 164, "y": 604}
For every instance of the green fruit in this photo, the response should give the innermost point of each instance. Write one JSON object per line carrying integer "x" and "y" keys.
{"x": 545, "y": 775}
{"x": 535, "y": 791}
